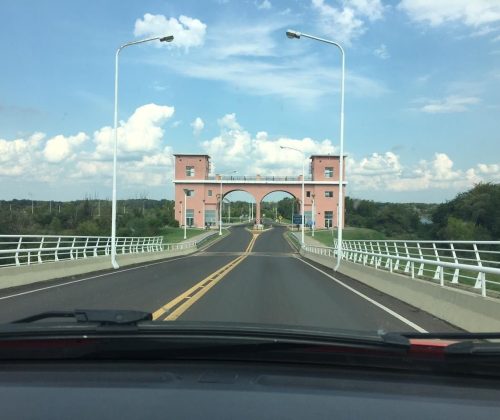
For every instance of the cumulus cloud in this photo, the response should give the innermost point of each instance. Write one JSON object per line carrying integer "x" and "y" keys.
{"x": 142, "y": 132}
{"x": 264, "y": 5}
{"x": 450, "y": 104}
{"x": 386, "y": 172}
{"x": 347, "y": 22}
{"x": 471, "y": 13}
{"x": 188, "y": 32}
{"x": 198, "y": 126}
{"x": 143, "y": 156}
{"x": 59, "y": 148}
{"x": 236, "y": 148}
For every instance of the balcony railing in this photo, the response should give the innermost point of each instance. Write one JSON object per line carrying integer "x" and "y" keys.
{"x": 268, "y": 178}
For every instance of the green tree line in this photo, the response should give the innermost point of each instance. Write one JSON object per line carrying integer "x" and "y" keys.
{"x": 135, "y": 217}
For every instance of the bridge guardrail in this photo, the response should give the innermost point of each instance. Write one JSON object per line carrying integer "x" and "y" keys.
{"x": 472, "y": 263}
{"x": 19, "y": 250}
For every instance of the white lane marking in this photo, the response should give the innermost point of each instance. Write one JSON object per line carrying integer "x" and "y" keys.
{"x": 90, "y": 278}
{"x": 374, "y": 302}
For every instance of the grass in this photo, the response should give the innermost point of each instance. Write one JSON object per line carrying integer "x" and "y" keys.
{"x": 173, "y": 235}
{"x": 349, "y": 233}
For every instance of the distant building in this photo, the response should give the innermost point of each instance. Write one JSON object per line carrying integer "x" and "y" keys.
{"x": 203, "y": 191}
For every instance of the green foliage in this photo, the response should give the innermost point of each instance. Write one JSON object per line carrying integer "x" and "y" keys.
{"x": 474, "y": 214}
{"x": 392, "y": 220}
{"x": 139, "y": 217}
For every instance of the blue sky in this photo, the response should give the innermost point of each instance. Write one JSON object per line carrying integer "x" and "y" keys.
{"x": 422, "y": 93}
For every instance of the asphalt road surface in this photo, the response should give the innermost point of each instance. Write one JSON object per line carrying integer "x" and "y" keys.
{"x": 243, "y": 277}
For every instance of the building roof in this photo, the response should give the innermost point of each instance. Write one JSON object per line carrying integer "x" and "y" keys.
{"x": 191, "y": 154}
{"x": 326, "y": 156}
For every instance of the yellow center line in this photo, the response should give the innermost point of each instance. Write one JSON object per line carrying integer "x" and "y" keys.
{"x": 192, "y": 295}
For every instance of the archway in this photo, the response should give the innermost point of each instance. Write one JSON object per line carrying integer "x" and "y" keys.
{"x": 238, "y": 206}
{"x": 279, "y": 205}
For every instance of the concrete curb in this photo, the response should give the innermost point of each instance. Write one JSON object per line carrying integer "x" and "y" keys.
{"x": 28, "y": 274}
{"x": 19, "y": 276}
{"x": 461, "y": 308}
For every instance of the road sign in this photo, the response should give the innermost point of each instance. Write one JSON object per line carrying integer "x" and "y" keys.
{"x": 297, "y": 219}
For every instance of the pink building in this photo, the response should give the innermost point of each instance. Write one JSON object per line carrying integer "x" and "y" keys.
{"x": 203, "y": 191}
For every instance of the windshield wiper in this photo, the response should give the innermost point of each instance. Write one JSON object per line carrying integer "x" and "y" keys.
{"x": 102, "y": 317}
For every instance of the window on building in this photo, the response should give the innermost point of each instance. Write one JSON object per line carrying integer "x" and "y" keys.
{"x": 189, "y": 193}
{"x": 189, "y": 170}
{"x": 308, "y": 193}
{"x": 210, "y": 218}
{"x": 329, "y": 194}
{"x": 210, "y": 193}
{"x": 329, "y": 172}
{"x": 189, "y": 217}
{"x": 328, "y": 219}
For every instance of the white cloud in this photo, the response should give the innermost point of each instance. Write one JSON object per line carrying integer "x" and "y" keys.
{"x": 450, "y": 104}
{"x": 235, "y": 148}
{"x": 142, "y": 132}
{"x": 198, "y": 126}
{"x": 386, "y": 172}
{"x": 144, "y": 160}
{"x": 252, "y": 61}
{"x": 348, "y": 22}
{"x": 188, "y": 32}
{"x": 264, "y": 5}
{"x": 382, "y": 52}
{"x": 471, "y": 13}
{"x": 59, "y": 148}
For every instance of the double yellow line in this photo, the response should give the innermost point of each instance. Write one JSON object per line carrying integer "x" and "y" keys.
{"x": 185, "y": 300}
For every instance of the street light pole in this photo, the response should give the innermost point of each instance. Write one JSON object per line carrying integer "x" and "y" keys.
{"x": 185, "y": 212}
{"x": 297, "y": 35}
{"x": 168, "y": 38}
{"x": 220, "y": 208}
{"x": 313, "y": 215}
{"x": 303, "y": 204}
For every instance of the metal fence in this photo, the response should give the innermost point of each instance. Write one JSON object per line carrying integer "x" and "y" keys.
{"x": 18, "y": 250}
{"x": 290, "y": 178}
{"x": 468, "y": 263}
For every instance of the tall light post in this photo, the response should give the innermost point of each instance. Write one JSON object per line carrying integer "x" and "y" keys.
{"x": 303, "y": 206}
{"x": 186, "y": 193}
{"x": 313, "y": 213}
{"x": 220, "y": 206}
{"x": 168, "y": 38}
{"x": 297, "y": 35}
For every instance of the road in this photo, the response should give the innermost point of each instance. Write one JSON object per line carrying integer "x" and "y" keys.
{"x": 241, "y": 278}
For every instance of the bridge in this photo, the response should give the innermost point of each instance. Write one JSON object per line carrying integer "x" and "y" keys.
{"x": 198, "y": 195}
{"x": 259, "y": 277}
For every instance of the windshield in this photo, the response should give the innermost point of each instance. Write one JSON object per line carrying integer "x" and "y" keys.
{"x": 308, "y": 165}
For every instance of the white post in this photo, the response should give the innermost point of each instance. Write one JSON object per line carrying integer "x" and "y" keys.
{"x": 220, "y": 208}
{"x": 297, "y": 35}
{"x": 204, "y": 221}
{"x": 341, "y": 163}
{"x": 115, "y": 151}
{"x": 115, "y": 147}
{"x": 313, "y": 216}
{"x": 185, "y": 214}
{"x": 303, "y": 202}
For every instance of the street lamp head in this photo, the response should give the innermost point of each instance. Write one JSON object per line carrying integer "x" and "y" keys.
{"x": 293, "y": 34}
{"x": 168, "y": 38}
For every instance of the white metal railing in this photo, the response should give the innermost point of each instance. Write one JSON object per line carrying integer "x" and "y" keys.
{"x": 18, "y": 250}
{"x": 473, "y": 263}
